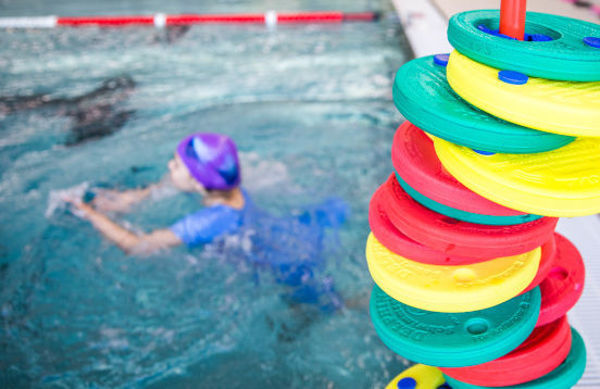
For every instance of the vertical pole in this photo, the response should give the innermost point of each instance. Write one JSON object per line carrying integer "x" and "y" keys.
{"x": 512, "y": 18}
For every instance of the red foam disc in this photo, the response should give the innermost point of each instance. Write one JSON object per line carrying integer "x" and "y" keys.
{"x": 546, "y": 263}
{"x": 455, "y": 237}
{"x": 414, "y": 158}
{"x": 401, "y": 244}
{"x": 563, "y": 286}
{"x": 543, "y": 351}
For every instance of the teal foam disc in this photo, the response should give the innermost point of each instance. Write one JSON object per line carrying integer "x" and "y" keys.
{"x": 565, "y": 57}
{"x": 422, "y": 94}
{"x": 454, "y": 339}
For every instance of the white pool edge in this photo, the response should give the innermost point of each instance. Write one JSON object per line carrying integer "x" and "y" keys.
{"x": 424, "y": 26}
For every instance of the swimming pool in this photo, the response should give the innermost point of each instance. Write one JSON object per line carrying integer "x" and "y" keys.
{"x": 310, "y": 108}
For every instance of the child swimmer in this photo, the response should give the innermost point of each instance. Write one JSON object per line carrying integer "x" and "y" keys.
{"x": 204, "y": 163}
{"x": 208, "y": 164}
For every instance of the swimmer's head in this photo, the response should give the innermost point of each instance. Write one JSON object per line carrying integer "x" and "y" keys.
{"x": 207, "y": 159}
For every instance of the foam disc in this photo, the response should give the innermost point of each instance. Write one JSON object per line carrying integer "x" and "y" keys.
{"x": 401, "y": 244}
{"x": 561, "y": 107}
{"x": 418, "y": 377}
{"x": 396, "y": 241}
{"x": 542, "y": 352}
{"x": 423, "y": 177}
{"x": 453, "y": 339}
{"x": 562, "y": 288}
{"x": 563, "y": 182}
{"x": 460, "y": 238}
{"x": 462, "y": 215}
{"x": 423, "y": 96}
{"x": 462, "y": 288}
{"x": 564, "y": 57}
{"x": 546, "y": 263}
{"x": 565, "y": 376}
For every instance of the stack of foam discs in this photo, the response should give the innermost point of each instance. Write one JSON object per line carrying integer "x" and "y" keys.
{"x": 502, "y": 137}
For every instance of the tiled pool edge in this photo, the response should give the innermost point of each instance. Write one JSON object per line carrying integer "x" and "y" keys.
{"x": 424, "y": 26}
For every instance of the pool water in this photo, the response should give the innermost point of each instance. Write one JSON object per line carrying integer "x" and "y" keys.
{"x": 310, "y": 108}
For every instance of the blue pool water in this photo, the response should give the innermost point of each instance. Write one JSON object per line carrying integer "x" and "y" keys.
{"x": 310, "y": 108}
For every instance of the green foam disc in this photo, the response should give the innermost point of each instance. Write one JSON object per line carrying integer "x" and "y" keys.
{"x": 422, "y": 94}
{"x": 454, "y": 339}
{"x": 565, "y": 57}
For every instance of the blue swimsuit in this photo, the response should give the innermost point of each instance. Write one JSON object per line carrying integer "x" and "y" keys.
{"x": 209, "y": 223}
{"x": 292, "y": 247}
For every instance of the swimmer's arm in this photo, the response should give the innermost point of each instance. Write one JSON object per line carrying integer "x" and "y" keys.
{"x": 108, "y": 200}
{"x": 126, "y": 240}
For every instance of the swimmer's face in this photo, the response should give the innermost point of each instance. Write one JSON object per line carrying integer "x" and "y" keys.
{"x": 181, "y": 177}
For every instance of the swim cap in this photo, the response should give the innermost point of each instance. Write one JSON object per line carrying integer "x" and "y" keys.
{"x": 211, "y": 159}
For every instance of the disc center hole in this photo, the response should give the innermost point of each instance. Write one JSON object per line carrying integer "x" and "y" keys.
{"x": 559, "y": 273}
{"x": 464, "y": 275}
{"x": 477, "y": 326}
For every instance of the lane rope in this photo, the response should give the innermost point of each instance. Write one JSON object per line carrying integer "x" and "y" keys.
{"x": 161, "y": 20}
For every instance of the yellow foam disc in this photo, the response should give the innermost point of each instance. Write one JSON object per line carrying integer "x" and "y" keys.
{"x": 561, "y": 107}
{"x": 462, "y": 288}
{"x": 562, "y": 182}
{"x": 426, "y": 377}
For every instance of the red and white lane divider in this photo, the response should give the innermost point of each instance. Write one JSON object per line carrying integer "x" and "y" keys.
{"x": 161, "y": 20}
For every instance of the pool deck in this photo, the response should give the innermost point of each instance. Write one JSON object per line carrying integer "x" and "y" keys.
{"x": 556, "y": 7}
{"x": 425, "y": 23}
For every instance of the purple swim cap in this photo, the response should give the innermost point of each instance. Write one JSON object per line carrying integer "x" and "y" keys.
{"x": 211, "y": 159}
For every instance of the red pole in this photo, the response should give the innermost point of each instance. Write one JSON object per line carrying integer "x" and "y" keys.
{"x": 512, "y": 18}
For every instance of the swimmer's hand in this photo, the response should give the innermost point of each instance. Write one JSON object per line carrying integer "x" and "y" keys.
{"x": 129, "y": 241}
{"x": 78, "y": 207}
